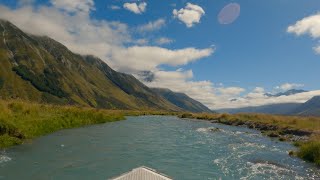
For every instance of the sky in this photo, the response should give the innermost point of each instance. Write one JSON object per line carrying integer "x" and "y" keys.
{"x": 225, "y": 54}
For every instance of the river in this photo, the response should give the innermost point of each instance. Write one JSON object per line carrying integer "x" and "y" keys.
{"x": 181, "y": 149}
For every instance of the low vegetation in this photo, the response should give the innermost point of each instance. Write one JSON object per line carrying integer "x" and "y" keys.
{"x": 303, "y": 131}
{"x": 46, "y": 82}
{"x": 20, "y": 120}
{"x": 310, "y": 151}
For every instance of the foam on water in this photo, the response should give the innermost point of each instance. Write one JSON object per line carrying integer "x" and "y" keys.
{"x": 4, "y": 158}
{"x": 202, "y": 130}
{"x": 261, "y": 169}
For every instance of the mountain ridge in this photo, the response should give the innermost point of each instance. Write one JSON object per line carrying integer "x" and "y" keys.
{"x": 182, "y": 100}
{"x": 40, "y": 69}
{"x": 309, "y": 108}
{"x": 286, "y": 93}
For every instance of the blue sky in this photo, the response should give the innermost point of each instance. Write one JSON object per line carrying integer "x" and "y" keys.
{"x": 254, "y": 51}
{"x": 253, "y": 55}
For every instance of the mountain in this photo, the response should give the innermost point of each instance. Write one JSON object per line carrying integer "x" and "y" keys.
{"x": 41, "y": 69}
{"x": 282, "y": 109}
{"x": 182, "y": 100}
{"x": 287, "y": 93}
{"x": 309, "y": 108}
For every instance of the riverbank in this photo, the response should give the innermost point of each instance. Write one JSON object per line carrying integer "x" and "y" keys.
{"x": 21, "y": 121}
{"x": 304, "y": 132}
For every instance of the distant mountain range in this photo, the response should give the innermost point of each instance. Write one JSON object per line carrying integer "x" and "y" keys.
{"x": 182, "y": 100}
{"x": 287, "y": 93}
{"x": 42, "y": 70}
{"x": 283, "y": 109}
{"x": 309, "y": 108}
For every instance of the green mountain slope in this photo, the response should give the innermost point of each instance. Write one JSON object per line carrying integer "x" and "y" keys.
{"x": 43, "y": 70}
{"x": 182, "y": 100}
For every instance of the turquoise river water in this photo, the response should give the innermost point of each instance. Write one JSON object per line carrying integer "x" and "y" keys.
{"x": 181, "y": 149}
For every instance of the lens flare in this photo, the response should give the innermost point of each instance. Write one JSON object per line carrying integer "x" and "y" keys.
{"x": 229, "y": 13}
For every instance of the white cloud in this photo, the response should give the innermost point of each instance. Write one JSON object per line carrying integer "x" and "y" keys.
{"x": 259, "y": 90}
{"x": 74, "y": 5}
{"x": 203, "y": 91}
{"x": 180, "y": 81}
{"x": 256, "y": 99}
{"x": 288, "y": 86}
{"x": 309, "y": 25}
{"x": 152, "y": 26}
{"x": 114, "y": 7}
{"x": 230, "y": 91}
{"x": 218, "y": 96}
{"x": 190, "y": 15}
{"x": 163, "y": 40}
{"x": 142, "y": 41}
{"x": 136, "y": 8}
{"x": 150, "y": 57}
{"x": 317, "y": 49}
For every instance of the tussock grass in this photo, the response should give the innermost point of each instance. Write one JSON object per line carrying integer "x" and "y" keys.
{"x": 21, "y": 120}
{"x": 310, "y": 151}
{"x": 294, "y": 122}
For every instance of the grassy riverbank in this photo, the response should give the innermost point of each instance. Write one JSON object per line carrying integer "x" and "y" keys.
{"x": 20, "y": 121}
{"x": 303, "y": 131}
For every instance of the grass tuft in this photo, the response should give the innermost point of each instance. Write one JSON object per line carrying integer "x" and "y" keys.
{"x": 310, "y": 151}
{"x": 21, "y": 120}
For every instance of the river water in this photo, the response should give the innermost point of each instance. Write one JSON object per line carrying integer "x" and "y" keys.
{"x": 181, "y": 149}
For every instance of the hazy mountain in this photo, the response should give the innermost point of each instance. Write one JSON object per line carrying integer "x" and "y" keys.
{"x": 287, "y": 93}
{"x": 182, "y": 100}
{"x": 284, "y": 109}
{"x": 43, "y": 70}
{"x": 309, "y": 108}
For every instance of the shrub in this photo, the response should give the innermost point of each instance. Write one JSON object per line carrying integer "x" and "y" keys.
{"x": 310, "y": 151}
{"x": 1, "y": 82}
{"x": 7, "y": 141}
{"x": 186, "y": 115}
{"x": 46, "y": 82}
